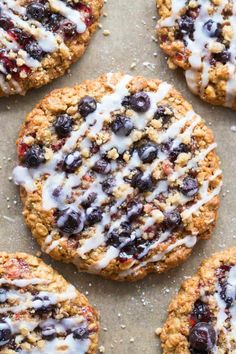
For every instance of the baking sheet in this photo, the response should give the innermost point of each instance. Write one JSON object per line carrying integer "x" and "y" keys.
{"x": 130, "y": 312}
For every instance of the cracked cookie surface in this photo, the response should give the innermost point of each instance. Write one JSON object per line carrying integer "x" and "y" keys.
{"x": 118, "y": 175}
{"x": 202, "y": 316}
{"x": 41, "y": 312}
{"x": 200, "y": 37}
{"x": 39, "y": 40}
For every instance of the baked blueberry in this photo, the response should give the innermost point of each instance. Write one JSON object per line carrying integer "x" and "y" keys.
{"x": 122, "y": 126}
{"x": 189, "y": 186}
{"x": 34, "y": 156}
{"x": 42, "y": 304}
{"x": 212, "y": 28}
{"x": 128, "y": 250}
{"x": 19, "y": 36}
{"x": 140, "y": 102}
{"x": 112, "y": 239}
{"x": 201, "y": 312}
{"x": 54, "y": 21}
{"x": 102, "y": 166}
{"x": 175, "y": 151}
{"x": 5, "y": 22}
{"x": 143, "y": 183}
{"x": 108, "y": 185}
{"x": 119, "y": 235}
{"x": 80, "y": 333}
{"x": 48, "y": 331}
{"x": 222, "y": 57}
{"x": 86, "y": 106}
{"x": 70, "y": 221}
{"x": 93, "y": 215}
{"x": 36, "y": 10}
{"x": 147, "y": 152}
{"x": 202, "y": 337}
{"x": 5, "y": 332}
{"x": 34, "y": 50}
{"x": 126, "y": 101}
{"x": 72, "y": 161}
{"x": 68, "y": 28}
{"x": 172, "y": 219}
{"x": 136, "y": 248}
{"x": 186, "y": 25}
{"x": 125, "y": 230}
{"x": 63, "y": 125}
{"x": 134, "y": 211}
{"x": 89, "y": 200}
{"x": 227, "y": 293}
{"x": 164, "y": 113}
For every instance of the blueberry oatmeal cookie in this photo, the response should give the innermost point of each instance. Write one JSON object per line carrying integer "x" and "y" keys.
{"x": 200, "y": 37}
{"x": 202, "y": 316}
{"x": 40, "y": 312}
{"x": 118, "y": 175}
{"x": 40, "y": 39}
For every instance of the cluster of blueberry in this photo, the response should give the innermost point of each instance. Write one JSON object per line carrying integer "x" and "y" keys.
{"x": 44, "y": 309}
{"x": 71, "y": 222}
{"x": 186, "y": 27}
{"x": 54, "y": 22}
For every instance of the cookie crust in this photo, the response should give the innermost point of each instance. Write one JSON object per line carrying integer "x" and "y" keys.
{"x": 34, "y": 51}
{"x": 199, "y": 38}
{"x": 208, "y": 286}
{"x": 171, "y": 223}
{"x": 37, "y": 305}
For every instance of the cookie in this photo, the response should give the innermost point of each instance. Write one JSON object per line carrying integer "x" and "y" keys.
{"x": 200, "y": 37}
{"x": 40, "y": 39}
{"x": 201, "y": 318}
{"x": 118, "y": 175}
{"x": 41, "y": 312}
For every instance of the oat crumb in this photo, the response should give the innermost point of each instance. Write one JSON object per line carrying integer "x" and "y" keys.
{"x": 101, "y": 349}
{"x": 158, "y": 331}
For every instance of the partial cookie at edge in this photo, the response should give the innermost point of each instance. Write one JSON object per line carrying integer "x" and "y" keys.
{"x": 40, "y": 311}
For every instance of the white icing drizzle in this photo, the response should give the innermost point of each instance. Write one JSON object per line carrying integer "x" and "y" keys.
{"x": 47, "y": 40}
{"x": 69, "y": 13}
{"x": 201, "y": 43}
{"x": 226, "y": 318}
{"x": 188, "y": 241}
{"x": 178, "y": 132}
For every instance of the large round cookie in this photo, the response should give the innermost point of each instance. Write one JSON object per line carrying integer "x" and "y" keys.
{"x": 40, "y": 39}
{"x": 200, "y": 37}
{"x": 202, "y": 316}
{"x": 118, "y": 175}
{"x": 40, "y": 312}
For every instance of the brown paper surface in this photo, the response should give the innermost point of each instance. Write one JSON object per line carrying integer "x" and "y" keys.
{"x": 130, "y": 312}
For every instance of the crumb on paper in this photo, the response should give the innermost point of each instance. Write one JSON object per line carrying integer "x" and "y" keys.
{"x": 106, "y": 33}
{"x": 101, "y": 349}
{"x": 133, "y": 65}
{"x": 233, "y": 128}
{"x": 158, "y": 331}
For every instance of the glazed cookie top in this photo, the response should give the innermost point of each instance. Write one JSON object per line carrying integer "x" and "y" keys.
{"x": 40, "y": 312}
{"x": 202, "y": 317}
{"x": 119, "y": 176}
{"x": 200, "y": 37}
{"x": 37, "y": 36}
